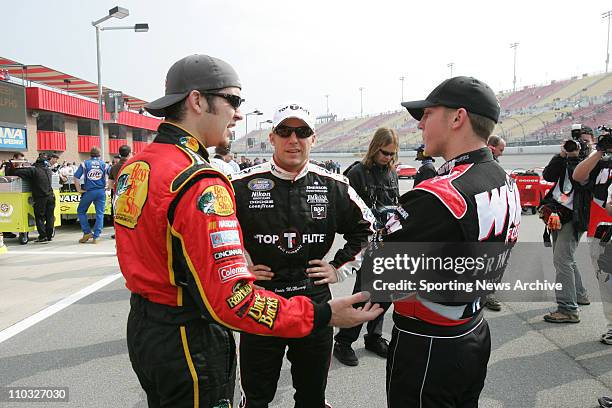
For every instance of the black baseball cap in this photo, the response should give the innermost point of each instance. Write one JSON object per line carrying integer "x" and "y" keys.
{"x": 459, "y": 92}
{"x": 195, "y": 72}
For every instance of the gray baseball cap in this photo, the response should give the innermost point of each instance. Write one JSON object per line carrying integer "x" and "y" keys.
{"x": 195, "y": 72}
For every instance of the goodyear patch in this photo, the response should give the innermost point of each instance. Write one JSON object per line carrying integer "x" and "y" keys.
{"x": 131, "y": 193}
{"x": 264, "y": 310}
{"x": 224, "y": 238}
{"x": 216, "y": 200}
{"x": 261, "y": 184}
{"x": 241, "y": 292}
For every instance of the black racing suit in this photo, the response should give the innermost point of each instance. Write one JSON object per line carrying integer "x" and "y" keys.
{"x": 378, "y": 187}
{"x": 39, "y": 177}
{"x": 439, "y": 351}
{"x": 287, "y": 220}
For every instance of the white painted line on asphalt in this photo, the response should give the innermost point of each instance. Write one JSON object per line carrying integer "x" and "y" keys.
{"x": 62, "y": 252}
{"x": 51, "y": 310}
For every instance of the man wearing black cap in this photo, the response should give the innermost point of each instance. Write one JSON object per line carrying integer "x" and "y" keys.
{"x": 439, "y": 351}
{"x": 427, "y": 169}
{"x": 180, "y": 250}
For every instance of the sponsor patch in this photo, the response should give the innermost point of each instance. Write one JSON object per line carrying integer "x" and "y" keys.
{"x": 131, "y": 193}
{"x": 240, "y": 292}
{"x": 6, "y": 210}
{"x": 264, "y": 310}
{"x": 319, "y": 211}
{"x": 261, "y": 184}
{"x": 224, "y": 238}
{"x": 222, "y": 224}
{"x": 94, "y": 174}
{"x": 228, "y": 253}
{"x": 317, "y": 199}
{"x": 233, "y": 271}
{"x": 216, "y": 200}
{"x": 190, "y": 142}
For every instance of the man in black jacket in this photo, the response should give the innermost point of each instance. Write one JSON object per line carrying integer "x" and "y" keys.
{"x": 571, "y": 201}
{"x": 290, "y": 211}
{"x": 427, "y": 169}
{"x": 39, "y": 177}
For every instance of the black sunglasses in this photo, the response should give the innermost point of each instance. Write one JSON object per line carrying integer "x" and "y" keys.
{"x": 301, "y": 132}
{"x": 386, "y": 153}
{"x": 233, "y": 100}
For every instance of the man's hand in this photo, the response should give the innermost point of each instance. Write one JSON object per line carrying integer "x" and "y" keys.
{"x": 345, "y": 316}
{"x": 323, "y": 270}
{"x": 261, "y": 272}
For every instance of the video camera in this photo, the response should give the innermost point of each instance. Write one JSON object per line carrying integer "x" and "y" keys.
{"x": 576, "y": 142}
{"x": 604, "y": 140}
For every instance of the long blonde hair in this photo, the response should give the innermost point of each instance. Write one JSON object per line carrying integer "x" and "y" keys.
{"x": 382, "y": 137}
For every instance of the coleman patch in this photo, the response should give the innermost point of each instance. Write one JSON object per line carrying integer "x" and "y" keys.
{"x": 216, "y": 200}
{"x": 234, "y": 271}
{"x": 131, "y": 194}
{"x": 240, "y": 293}
{"x": 264, "y": 310}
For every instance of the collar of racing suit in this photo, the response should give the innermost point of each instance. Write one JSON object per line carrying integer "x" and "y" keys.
{"x": 476, "y": 156}
{"x": 287, "y": 175}
{"x": 171, "y": 133}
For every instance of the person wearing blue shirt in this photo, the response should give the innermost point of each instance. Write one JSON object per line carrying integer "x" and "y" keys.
{"x": 94, "y": 172}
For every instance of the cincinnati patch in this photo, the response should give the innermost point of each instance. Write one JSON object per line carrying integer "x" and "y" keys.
{"x": 264, "y": 310}
{"x": 131, "y": 193}
{"x": 224, "y": 238}
{"x": 227, "y": 254}
{"x": 240, "y": 292}
{"x": 216, "y": 200}
{"x": 233, "y": 271}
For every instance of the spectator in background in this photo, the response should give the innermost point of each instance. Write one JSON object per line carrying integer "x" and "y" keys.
{"x": 125, "y": 152}
{"x": 94, "y": 172}
{"x": 497, "y": 146}
{"x": 256, "y": 161}
{"x": 244, "y": 163}
{"x": 376, "y": 182}
{"x": 53, "y": 162}
{"x": 16, "y": 161}
{"x": 427, "y": 169}
{"x": 232, "y": 162}
{"x": 219, "y": 161}
{"x": 39, "y": 177}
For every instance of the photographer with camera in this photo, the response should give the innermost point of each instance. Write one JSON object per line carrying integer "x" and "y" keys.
{"x": 565, "y": 210}
{"x": 595, "y": 172}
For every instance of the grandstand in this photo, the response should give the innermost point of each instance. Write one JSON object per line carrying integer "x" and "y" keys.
{"x": 537, "y": 114}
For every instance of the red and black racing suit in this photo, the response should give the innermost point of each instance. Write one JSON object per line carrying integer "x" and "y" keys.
{"x": 439, "y": 352}
{"x": 288, "y": 220}
{"x": 180, "y": 250}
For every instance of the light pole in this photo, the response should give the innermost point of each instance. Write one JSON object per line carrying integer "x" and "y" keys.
{"x": 607, "y": 15}
{"x": 327, "y": 103}
{"x": 116, "y": 12}
{"x": 361, "y": 98}
{"x": 402, "y": 79}
{"x": 264, "y": 121}
{"x": 514, "y": 46}
{"x": 451, "y": 65}
{"x": 256, "y": 112}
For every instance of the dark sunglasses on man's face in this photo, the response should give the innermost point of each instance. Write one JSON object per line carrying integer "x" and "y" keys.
{"x": 233, "y": 100}
{"x": 301, "y": 132}
{"x": 386, "y": 153}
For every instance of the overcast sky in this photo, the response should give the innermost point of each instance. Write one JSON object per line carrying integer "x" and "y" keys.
{"x": 303, "y": 50}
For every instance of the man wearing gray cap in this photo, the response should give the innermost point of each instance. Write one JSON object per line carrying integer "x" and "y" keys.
{"x": 440, "y": 348}
{"x": 180, "y": 250}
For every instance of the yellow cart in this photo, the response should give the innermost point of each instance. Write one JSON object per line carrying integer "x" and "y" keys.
{"x": 17, "y": 213}
{"x": 69, "y": 202}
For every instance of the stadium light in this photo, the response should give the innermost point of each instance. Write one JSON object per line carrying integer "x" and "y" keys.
{"x": 256, "y": 112}
{"x": 451, "y": 65}
{"x": 115, "y": 12}
{"x": 607, "y": 15}
{"x": 402, "y": 79}
{"x": 327, "y": 103}
{"x": 361, "y": 98}
{"x": 514, "y": 45}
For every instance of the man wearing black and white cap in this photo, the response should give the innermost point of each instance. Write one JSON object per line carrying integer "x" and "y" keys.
{"x": 290, "y": 211}
{"x": 439, "y": 351}
{"x": 180, "y": 250}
